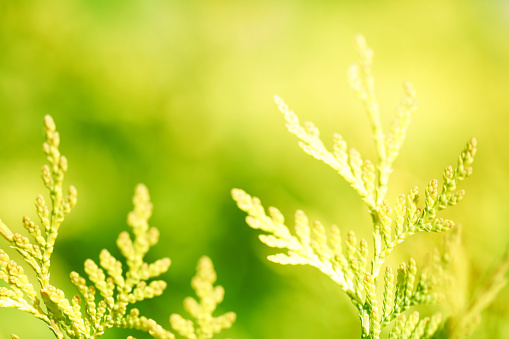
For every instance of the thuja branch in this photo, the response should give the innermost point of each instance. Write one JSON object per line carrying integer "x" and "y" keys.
{"x": 345, "y": 261}
{"x": 106, "y": 302}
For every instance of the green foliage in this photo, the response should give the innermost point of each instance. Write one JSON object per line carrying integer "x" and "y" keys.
{"x": 90, "y": 314}
{"x": 346, "y": 260}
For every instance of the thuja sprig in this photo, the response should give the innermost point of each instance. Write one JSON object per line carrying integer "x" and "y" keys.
{"x": 37, "y": 253}
{"x": 118, "y": 289}
{"x": 105, "y": 303}
{"x": 346, "y": 261}
{"x": 205, "y": 324}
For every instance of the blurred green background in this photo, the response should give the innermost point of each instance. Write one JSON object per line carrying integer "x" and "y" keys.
{"x": 178, "y": 95}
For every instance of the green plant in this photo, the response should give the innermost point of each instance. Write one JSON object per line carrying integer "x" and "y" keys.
{"x": 90, "y": 314}
{"x": 356, "y": 267}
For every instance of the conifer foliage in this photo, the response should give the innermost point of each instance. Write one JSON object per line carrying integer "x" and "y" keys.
{"x": 106, "y": 301}
{"x": 352, "y": 263}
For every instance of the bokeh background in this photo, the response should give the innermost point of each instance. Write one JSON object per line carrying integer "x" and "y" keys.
{"x": 178, "y": 95}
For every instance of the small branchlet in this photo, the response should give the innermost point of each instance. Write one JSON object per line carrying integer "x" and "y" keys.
{"x": 37, "y": 253}
{"x": 205, "y": 325}
{"x": 346, "y": 267}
